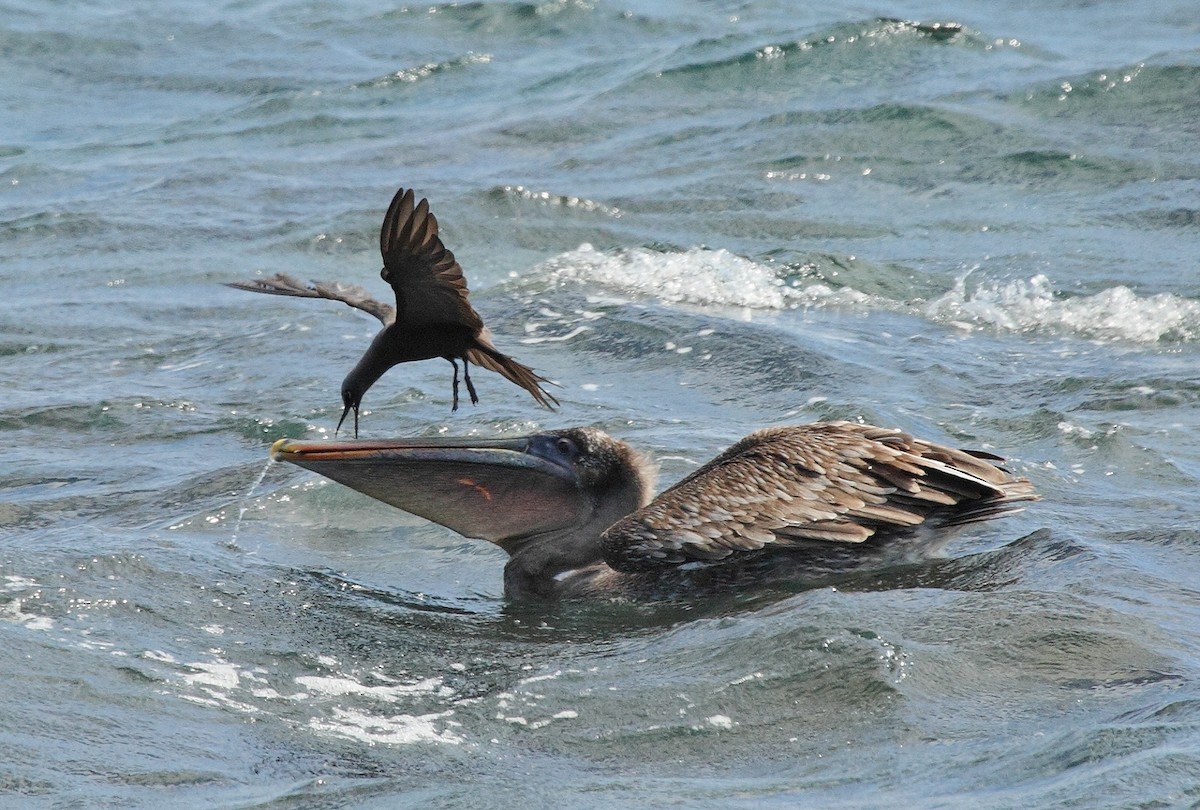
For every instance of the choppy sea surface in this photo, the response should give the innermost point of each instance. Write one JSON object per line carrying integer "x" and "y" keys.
{"x": 976, "y": 221}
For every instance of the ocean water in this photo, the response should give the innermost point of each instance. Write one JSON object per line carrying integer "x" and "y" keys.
{"x": 977, "y": 221}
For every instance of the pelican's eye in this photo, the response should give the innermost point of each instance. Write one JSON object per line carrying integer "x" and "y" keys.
{"x": 559, "y": 449}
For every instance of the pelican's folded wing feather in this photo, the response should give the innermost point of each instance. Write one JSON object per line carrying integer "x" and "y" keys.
{"x": 836, "y": 482}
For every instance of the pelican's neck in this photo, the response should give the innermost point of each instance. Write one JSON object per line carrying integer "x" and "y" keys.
{"x": 537, "y": 561}
{"x": 533, "y": 570}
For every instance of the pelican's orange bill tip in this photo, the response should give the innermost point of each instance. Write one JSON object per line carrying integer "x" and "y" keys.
{"x": 288, "y": 449}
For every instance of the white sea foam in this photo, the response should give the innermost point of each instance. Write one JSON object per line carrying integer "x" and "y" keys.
{"x": 336, "y": 687}
{"x": 718, "y": 277}
{"x": 13, "y": 582}
{"x": 1117, "y": 313}
{"x": 219, "y": 676}
{"x": 392, "y": 712}
{"x": 696, "y": 276}
{"x": 12, "y": 612}
{"x": 397, "y": 729}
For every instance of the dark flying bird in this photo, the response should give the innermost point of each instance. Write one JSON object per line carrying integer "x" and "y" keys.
{"x": 573, "y": 507}
{"x": 432, "y": 316}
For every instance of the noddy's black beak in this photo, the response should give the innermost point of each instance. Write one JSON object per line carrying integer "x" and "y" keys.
{"x": 497, "y": 490}
{"x": 349, "y": 406}
{"x": 352, "y": 394}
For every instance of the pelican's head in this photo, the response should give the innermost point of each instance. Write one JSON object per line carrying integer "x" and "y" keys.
{"x": 575, "y": 480}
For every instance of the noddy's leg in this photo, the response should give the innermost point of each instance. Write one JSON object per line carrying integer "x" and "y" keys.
{"x": 467, "y": 379}
{"x": 454, "y": 407}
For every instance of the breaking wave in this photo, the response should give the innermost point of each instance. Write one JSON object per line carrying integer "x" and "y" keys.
{"x": 695, "y": 276}
{"x": 706, "y": 277}
{"x": 1034, "y": 306}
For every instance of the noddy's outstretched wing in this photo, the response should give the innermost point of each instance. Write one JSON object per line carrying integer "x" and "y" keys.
{"x": 350, "y": 294}
{"x": 838, "y": 482}
{"x": 428, "y": 281}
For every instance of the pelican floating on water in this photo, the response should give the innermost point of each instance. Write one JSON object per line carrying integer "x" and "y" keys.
{"x": 432, "y": 316}
{"x": 574, "y": 509}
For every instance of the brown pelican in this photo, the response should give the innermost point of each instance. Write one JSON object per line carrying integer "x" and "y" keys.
{"x": 573, "y": 507}
{"x": 432, "y": 317}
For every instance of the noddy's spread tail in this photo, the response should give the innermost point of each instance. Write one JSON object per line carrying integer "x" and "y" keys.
{"x": 573, "y": 507}
{"x": 432, "y": 316}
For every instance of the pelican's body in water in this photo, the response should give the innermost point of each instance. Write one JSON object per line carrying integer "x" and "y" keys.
{"x": 574, "y": 511}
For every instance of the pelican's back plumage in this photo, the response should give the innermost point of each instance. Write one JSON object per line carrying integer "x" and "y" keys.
{"x": 835, "y": 482}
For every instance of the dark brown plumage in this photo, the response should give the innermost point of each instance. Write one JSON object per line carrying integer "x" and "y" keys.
{"x": 432, "y": 316}
{"x": 573, "y": 508}
{"x": 839, "y": 482}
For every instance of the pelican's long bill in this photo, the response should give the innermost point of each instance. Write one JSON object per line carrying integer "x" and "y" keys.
{"x": 491, "y": 489}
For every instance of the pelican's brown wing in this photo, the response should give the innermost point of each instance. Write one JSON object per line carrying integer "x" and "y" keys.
{"x": 839, "y": 482}
{"x": 428, "y": 281}
{"x": 349, "y": 294}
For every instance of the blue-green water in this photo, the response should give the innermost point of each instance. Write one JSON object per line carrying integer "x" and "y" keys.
{"x": 975, "y": 221}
